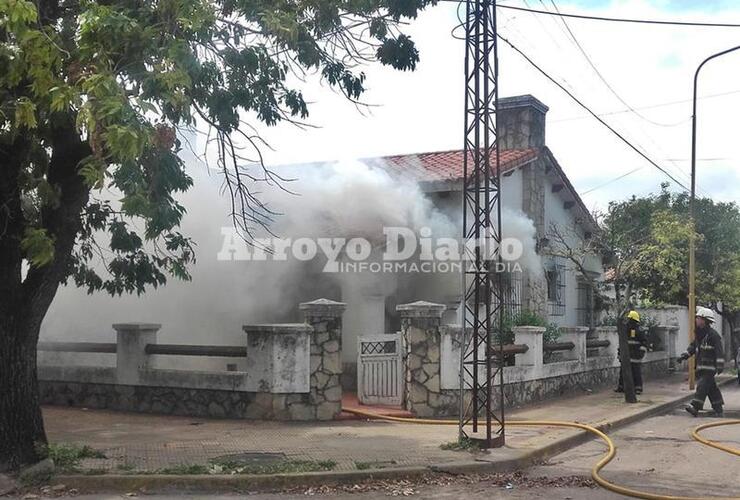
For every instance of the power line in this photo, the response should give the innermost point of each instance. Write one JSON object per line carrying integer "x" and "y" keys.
{"x": 652, "y": 106}
{"x": 589, "y": 60}
{"x": 596, "y": 70}
{"x": 612, "y": 181}
{"x": 619, "y": 19}
{"x": 582, "y": 50}
{"x": 584, "y": 106}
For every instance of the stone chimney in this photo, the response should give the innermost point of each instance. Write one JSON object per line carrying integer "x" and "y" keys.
{"x": 521, "y": 122}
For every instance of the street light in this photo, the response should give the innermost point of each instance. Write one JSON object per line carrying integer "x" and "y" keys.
{"x": 692, "y": 241}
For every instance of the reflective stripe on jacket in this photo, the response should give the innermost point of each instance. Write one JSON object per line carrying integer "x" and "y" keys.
{"x": 707, "y": 347}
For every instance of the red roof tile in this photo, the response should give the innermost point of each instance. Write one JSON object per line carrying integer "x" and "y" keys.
{"x": 446, "y": 165}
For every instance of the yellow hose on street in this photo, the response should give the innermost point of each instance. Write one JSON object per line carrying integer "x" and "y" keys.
{"x": 728, "y": 449}
{"x": 611, "y": 449}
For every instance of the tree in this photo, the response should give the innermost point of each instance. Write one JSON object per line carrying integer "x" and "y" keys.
{"x": 637, "y": 244}
{"x": 93, "y": 95}
{"x": 569, "y": 243}
{"x": 717, "y": 253}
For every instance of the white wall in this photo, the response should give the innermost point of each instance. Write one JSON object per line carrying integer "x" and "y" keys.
{"x": 555, "y": 213}
{"x": 679, "y": 315}
{"x": 511, "y": 190}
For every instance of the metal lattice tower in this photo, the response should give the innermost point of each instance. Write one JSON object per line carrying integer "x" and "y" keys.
{"x": 481, "y": 381}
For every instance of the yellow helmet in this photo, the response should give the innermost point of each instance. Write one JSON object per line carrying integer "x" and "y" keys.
{"x": 634, "y": 315}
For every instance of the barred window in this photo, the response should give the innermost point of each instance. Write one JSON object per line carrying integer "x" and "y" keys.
{"x": 585, "y": 303}
{"x": 555, "y": 276}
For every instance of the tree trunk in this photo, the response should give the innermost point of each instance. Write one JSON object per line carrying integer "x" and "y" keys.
{"x": 23, "y": 304}
{"x": 628, "y": 384}
{"x": 21, "y": 425}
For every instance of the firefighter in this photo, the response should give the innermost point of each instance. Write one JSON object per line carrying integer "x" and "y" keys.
{"x": 637, "y": 342}
{"x": 710, "y": 361}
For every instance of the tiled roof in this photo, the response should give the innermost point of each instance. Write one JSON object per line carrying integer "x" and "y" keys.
{"x": 446, "y": 165}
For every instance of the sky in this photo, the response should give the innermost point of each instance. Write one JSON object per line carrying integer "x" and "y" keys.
{"x": 646, "y": 65}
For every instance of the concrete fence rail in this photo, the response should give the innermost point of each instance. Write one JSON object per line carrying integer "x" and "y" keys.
{"x": 586, "y": 359}
{"x": 292, "y": 372}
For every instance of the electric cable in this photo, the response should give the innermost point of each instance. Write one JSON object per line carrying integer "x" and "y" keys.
{"x": 617, "y": 19}
{"x": 598, "y": 73}
{"x": 612, "y": 19}
{"x": 574, "y": 40}
{"x": 592, "y": 113}
{"x": 611, "y": 181}
{"x": 651, "y": 106}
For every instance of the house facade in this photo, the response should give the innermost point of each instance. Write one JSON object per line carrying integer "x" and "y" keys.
{"x": 534, "y": 188}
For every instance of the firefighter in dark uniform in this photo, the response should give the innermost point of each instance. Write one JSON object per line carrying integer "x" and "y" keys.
{"x": 710, "y": 361}
{"x": 637, "y": 342}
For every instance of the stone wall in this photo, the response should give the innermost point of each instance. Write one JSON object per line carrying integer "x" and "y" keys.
{"x": 294, "y": 374}
{"x": 211, "y": 403}
{"x": 529, "y": 381}
{"x": 420, "y": 327}
{"x": 325, "y": 316}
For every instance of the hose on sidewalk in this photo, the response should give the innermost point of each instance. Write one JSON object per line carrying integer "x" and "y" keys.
{"x": 595, "y": 471}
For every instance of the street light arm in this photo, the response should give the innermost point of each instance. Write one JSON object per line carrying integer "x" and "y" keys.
{"x": 692, "y": 242}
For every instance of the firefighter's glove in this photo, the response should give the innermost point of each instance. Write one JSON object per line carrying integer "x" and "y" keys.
{"x": 684, "y": 356}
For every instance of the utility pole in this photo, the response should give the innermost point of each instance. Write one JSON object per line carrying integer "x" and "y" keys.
{"x": 482, "y": 360}
{"x": 692, "y": 216}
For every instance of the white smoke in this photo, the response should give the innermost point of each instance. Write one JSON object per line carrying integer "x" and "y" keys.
{"x": 516, "y": 225}
{"x": 345, "y": 199}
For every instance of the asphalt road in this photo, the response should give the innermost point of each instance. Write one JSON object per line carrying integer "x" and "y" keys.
{"x": 656, "y": 455}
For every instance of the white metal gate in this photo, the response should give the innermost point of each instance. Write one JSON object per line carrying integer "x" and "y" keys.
{"x": 380, "y": 369}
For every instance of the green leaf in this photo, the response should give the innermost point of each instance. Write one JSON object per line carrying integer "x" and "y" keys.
{"x": 38, "y": 247}
{"x": 25, "y": 113}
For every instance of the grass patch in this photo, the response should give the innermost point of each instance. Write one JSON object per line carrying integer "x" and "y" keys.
{"x": 184, "y": 469}
{"x": 280, "y": 467}
{"x": 374, "y": 465}
{"x": 463, "y": 444}
{"x": 67, "y": 457}
{"x": 232, "y": 467}
{"x": 125, "y": 467}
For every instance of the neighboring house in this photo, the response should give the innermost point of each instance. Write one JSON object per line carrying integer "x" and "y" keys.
{"x": 533, "y": 183}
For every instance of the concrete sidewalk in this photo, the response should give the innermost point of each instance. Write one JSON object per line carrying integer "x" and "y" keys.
{"x": 138, "y": 443}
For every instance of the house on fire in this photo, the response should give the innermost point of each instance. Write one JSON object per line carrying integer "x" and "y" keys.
{"x": 532, "y": 183}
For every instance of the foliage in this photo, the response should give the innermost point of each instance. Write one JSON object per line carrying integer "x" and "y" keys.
{"x": 98, "y": 102}
{"x": 650, "y": 323}
{"x": 236, "y": 467}
{"x": 462, "y": 444}
{"x": 655, "y": 230}
{"x": 377, "y": 464}
{"x": 96, "y": 96}
{"x": 67, "y": 457}
{"x": 608, "y": 319}
{"x": 525, "y": 317}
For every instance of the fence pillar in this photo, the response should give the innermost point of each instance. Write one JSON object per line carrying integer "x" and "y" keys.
{"x": 609, "y": 333}
{"x": 577, "y": 335}
{"x": 420, "y": 322}
{"x": 532, "y": 337}
{"x": 325, "y": 316}
{"x": 131, "y": 356}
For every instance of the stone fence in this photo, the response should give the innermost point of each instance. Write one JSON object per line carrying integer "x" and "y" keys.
{"x": 293, "y": 372}
{"x": 588, "y": 359}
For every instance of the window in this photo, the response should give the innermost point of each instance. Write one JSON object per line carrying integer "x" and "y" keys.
{"x": 585, "y": 303}
{"x": 555, "y": 276}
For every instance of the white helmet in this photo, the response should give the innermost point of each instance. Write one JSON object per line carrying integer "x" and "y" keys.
{"x": 705, "y": 312}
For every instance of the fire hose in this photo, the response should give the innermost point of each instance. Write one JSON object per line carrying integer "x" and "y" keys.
{"x": 595, "y": 471}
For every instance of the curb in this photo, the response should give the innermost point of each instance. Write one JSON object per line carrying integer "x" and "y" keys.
{"x": 269, "y": 482}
